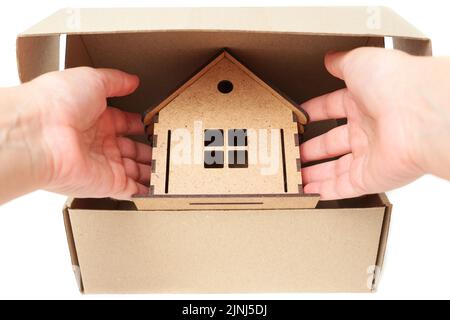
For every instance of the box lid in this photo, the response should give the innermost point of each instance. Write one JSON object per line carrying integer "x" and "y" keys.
{"x": 380, "y": 21}
{"x": 38, "y": 47}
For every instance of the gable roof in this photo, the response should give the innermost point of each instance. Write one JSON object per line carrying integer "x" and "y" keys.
{"x": 301, "y": 115}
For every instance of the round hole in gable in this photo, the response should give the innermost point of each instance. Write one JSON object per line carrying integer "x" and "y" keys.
{"x": 225, "y": 86}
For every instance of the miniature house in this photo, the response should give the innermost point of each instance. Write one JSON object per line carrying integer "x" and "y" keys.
{"x": 226, "y": 138}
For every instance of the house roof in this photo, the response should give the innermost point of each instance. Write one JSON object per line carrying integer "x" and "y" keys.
{"x": 301, "y": 115}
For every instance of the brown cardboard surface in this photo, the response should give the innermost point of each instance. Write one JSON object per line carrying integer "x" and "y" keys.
{"x": 117, "y": 248}
{"x": 226, "y": 251}
{"x": 352, "y": 20}
{"x": 162, "y": 25}
{"x": 71, "y": 244}
{"x": 383, "y": 241}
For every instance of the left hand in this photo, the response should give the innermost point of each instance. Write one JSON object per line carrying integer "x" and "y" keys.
{"x": 82, "y": 145}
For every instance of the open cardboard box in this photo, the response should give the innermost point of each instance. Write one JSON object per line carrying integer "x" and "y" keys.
{"x": 336, "y": 247}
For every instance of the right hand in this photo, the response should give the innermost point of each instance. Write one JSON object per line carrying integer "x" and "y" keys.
{"x": 398, "y": 123}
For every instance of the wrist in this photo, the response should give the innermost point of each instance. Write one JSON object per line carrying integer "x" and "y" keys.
{"x": 432, "y": 116}
{"x": 22, "y": 156}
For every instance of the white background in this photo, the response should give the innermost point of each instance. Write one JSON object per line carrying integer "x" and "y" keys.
{"x": 34, "y": 259}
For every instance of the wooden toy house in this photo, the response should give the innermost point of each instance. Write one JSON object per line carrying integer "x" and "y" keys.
{"x": 225, "y": 138}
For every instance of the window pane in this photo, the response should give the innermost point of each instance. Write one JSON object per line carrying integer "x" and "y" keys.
{"x": 237, "y": 159}
{"x": 213, "y": 159}
{"x": 237, "y": 137}
{"x": 213, "y": 138}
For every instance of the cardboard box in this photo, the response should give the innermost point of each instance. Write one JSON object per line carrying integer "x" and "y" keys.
{"x": 336, "y": 247}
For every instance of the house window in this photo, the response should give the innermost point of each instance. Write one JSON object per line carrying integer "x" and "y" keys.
{"x": 237, "y": 138}
{"x": 214, "y": 138}
{"x": 237, "y": 145}
{"x": 213, "y": 156}
{"x": 214, "y": 159}
{"x": 237, "y": 148}
{"x": 237, "y": 159}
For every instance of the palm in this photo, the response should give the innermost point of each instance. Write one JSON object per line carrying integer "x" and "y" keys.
{"x": 88, "y": 151}
{"x": 379, "y": 159}
{"x": 373, "y": 152}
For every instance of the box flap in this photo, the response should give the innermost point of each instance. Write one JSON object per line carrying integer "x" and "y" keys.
{"x": 362, "y": 20}
{"x": 37, "y": 47}
{"x": 37, "y": 55}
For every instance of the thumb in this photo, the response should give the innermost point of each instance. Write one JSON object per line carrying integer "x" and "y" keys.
{"x": 117, "y": 83}
{"x": 336, "y": 62}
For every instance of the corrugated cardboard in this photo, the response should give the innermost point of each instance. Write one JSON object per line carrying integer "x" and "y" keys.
{"x": 339, "y": 246}
{"x": 120, "y": 249}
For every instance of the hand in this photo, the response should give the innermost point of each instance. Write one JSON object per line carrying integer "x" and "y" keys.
{"x": 77, "y": 145}
{"x": 398, "y": 124}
